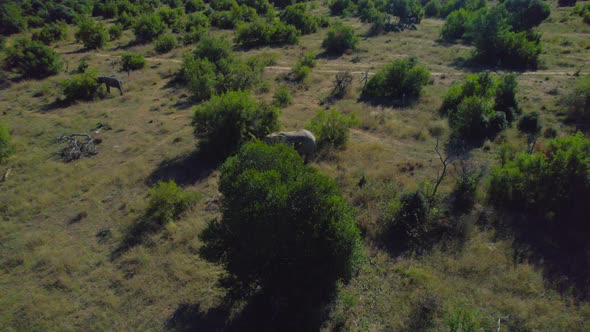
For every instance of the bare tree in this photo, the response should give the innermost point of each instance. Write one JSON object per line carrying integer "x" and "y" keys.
{"x": 342, "y": 84}
{"x": 446, "y": 161}
{"x": 75, "y": 148}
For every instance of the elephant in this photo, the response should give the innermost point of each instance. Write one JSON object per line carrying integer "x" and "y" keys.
{"x": 303, "y": 141}
{"x": 111, "y": 82}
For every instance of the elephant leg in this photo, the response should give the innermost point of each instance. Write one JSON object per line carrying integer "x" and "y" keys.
{"x": 120, "y": 90}
{"x": 108, "y": 88}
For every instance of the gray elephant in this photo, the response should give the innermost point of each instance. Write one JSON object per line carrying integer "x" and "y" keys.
{"x": 303, "y": 141}
{"x": 110, "y": 82}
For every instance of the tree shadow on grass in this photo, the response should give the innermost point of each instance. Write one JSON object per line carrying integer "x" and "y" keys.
{"x": 258, "y": 313}
{"x": 185, "y": 170}
{"x": 137, "y": 234}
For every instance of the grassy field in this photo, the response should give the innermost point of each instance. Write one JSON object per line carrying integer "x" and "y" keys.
{"x": 56, "y": 274}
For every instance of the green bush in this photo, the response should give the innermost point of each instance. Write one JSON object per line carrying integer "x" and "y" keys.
{"x": 481, "y": 107}
{"x": 526, "y": 14}
{"x": 433, "y": 8}
{"x": 300, "y": 73}
{"x": 457, "y": 24}
{"x": 530, "y": 123}
{"x": 165, "y": 43}
{"x": 81, "y": 87}
{"x": 298, "y": 16}
{"x": 465, "y": 189}
{"x": 339, "y": 39}
{"x": 227, "y": 121}
{"x": 132, "y": 61}
{"x": 402, "y": 79}
{"x": 545, "y": 196}
{"x": 173, "y": 18}
{"x": 295, "y": 243}
{"x": 198, "y": 21}
{"x": 577, "y": 102}
{"x": 341, "y": 7}
{"x": 191, "y": 6}
{"x": 92, "y": 34}
{"x": 32, "y": 59}
{"x": 566, "y": 3}
{"x": 214, "y": 68}
{"x": 262, "y": 33}
{"x": 282, "y": 97}
{"x": 6, "y": 149}
{"x": 115, "y": 31}
{"x": 221, "y": 5}
{"x": 149, "y": 27}
{"x": 411, "y": 224}
{"x": 51, "y": 33}
{"x": 331, "y": 128}
{"x": 12, "y": 19}
{"x": 167, "y": 201}
{"x": 308, "y": 60}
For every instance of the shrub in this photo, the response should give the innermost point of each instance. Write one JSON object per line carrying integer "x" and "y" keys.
{"x": 530, "y": 123}
{"x": 300, "y": 73}
{"x": 402, "y": 79}
{"x": 262, "y": 33}
{"x": 173, "y": 18}
{"x": 342, "y": 84}
{"x": 545, "y": 195}
{"x": 51, "y": 33}
{"x": 191, "y": 6}
{"x": 12, "y": 19}
{"x": 82, "y": 66}
{"x": 92, "y": 34}
{"x": 465, "y": 189}
{"x": 308, "y": 60}
{"x": 298, "y": 16}
{"x": 132, "y": 61}
{"x": 115, "y": 31}
{"x": 433, "y": 8}
{"x": 341, "y": 7}
{"x": 331, "y": 128}
{"x": 481, "y": 107}
{"x": 294, "y": 244}
{"x": 457, "y": 24}
{"x": 577, "y": 102}
{"x": 339, "y": 39}
{"x": 199, "y": 21}
{"x": 282, "y": 97}
{"x": 410, "y": 227}
{"x": 227, "y": 121}
{"x": 149, "y": 27}
{"x": 6, "y": 149}
{"x": 167, "y": 201}
{"x": 80, "y": 87}
{"x": 32, "y": 59}
{"x": 221, "y": 5}
{"x": 526, "y": 14}
{"x": 201, "y": 77}
{"x": 213, "y": 68}
{"x": 165, "y": 43}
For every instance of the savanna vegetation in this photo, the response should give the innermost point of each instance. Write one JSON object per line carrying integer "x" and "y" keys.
{"x": 445, "y": 190}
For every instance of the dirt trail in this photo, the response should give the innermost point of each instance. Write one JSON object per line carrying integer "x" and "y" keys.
{"x": 353, "y": 68}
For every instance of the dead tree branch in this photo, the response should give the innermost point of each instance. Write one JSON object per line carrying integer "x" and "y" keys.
{"x": 76, "y": 148}
{"x": 446, "y": 161}
{"x": 342, "y": 84}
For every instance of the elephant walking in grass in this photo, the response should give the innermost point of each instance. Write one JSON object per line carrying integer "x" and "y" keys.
{"x": 303, "y": 141}
{"x": 111, "y": 82}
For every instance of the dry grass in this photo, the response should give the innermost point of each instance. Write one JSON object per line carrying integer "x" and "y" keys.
{"x": 56, "y": 274}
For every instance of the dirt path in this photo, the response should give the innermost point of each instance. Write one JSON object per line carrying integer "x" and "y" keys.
{"x": 353, "y": 68}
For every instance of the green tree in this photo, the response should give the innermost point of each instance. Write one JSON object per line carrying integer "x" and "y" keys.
{"x": 167, "y": 201}
{"x": 285, "y": 230}
{"x": 298, "y": 16}
{"x": 331, "y": 128}
{"x": 577, "y": 101}
{"x": 402, "y": 79}
{"x": 225, "y": 122}
{"x": 339, "y": 39}
{"x": 12, "y": 19}
{"x": 32, "y": 59}
{"x": 82, "y": 86}
{"x": 92, "y": 34}
{"x": 132, "y": 61}
{"x": 149, "y": 28}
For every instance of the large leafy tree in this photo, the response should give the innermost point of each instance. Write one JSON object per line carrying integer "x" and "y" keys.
{"x": 32, "y": 59}
{"x": 285, "y": 232}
